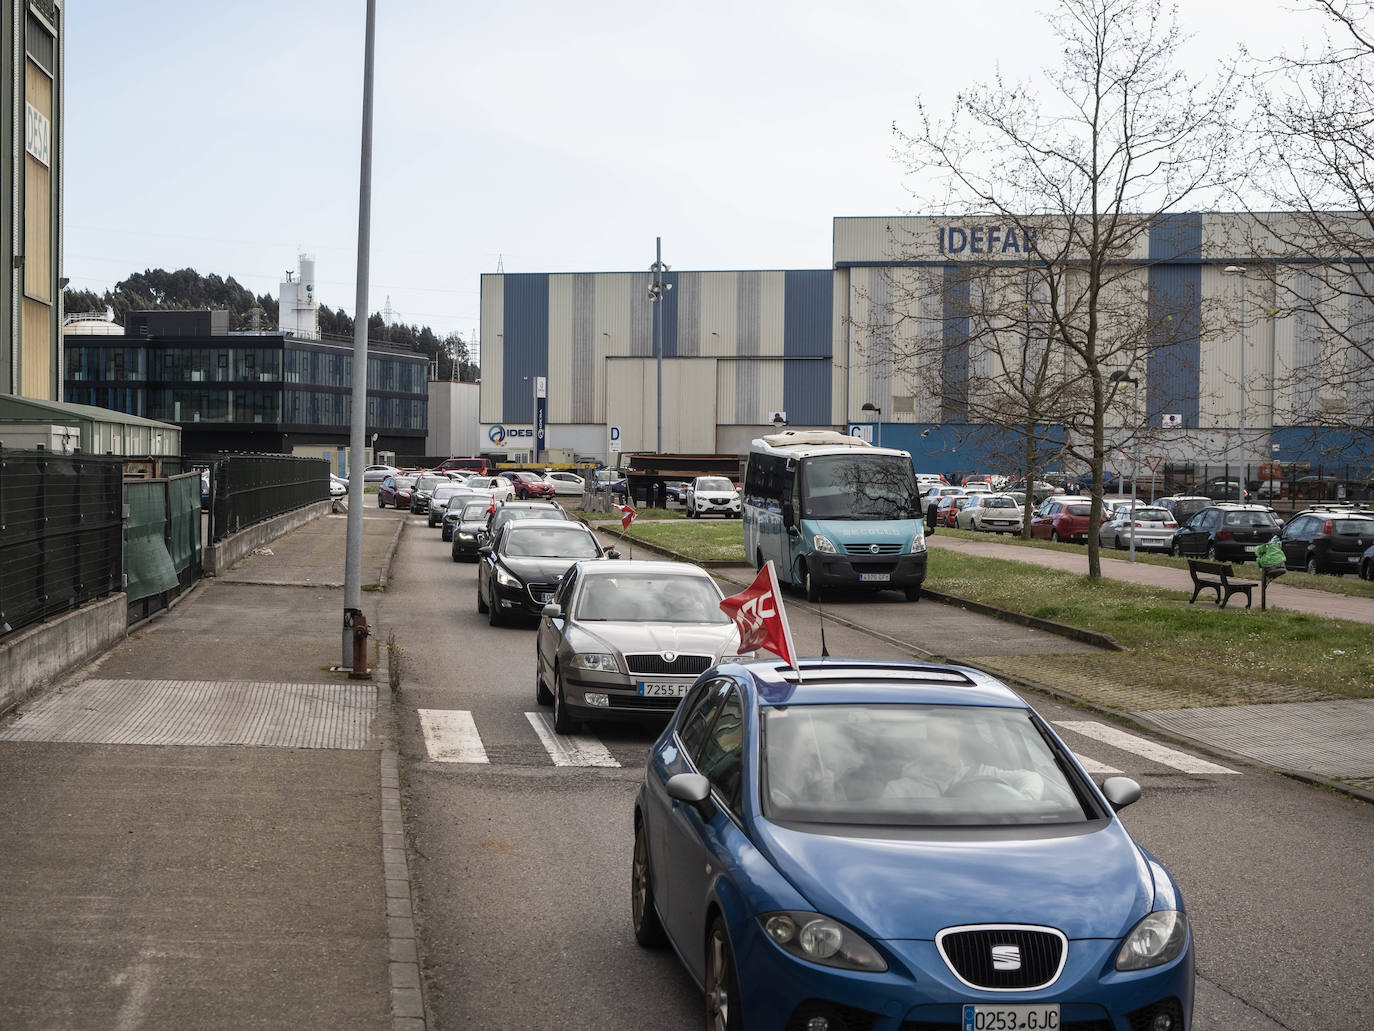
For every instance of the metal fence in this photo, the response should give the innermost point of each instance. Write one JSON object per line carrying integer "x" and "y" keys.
{"x": 162, "y": 545}
{"x": 246, "y": 489}
{"x": 61, "y": 527}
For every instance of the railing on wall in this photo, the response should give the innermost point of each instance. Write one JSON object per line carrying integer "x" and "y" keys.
{"x": 61, "y": 526}
{"x": 162, "y": 544}
{"x": 246, "y": 489}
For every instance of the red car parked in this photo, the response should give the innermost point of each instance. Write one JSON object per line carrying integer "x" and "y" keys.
{"x": 948, "y": 512}
{"x": 1062, "y": 519}
{"x": 395, "y": 491}
{"x": 529, "y": 485}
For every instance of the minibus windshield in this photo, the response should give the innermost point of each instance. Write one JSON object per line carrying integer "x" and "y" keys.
{"x": 862, "y": 487}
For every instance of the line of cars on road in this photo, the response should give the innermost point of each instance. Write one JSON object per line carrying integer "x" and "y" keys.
{"x": 854, "y": 845}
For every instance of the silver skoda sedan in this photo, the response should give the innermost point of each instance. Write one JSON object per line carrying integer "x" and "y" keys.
{"x": 625, "y": 640}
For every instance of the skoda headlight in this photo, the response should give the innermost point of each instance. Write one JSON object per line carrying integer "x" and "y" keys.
{"x": 602, "y": 661}
{"x": 1157, "y": 939}
{"x": 824, "y": 543}
{"x": 505, "y": 579}
{"x": 818, "y": 939}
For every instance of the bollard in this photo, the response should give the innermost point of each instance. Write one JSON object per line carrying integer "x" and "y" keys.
{"x": 354, "y": 619}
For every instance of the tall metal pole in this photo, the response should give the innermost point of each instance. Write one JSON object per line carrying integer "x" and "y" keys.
{"x": 658, "y": 334}
{"x": 353, "y": 562}
{"x": 1240, "y": 491}
{"x": 1135, "y": 454}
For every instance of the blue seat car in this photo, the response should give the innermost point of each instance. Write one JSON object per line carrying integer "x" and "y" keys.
{"x": 875, "y": 846}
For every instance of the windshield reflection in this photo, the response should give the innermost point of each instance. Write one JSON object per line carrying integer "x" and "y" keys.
{"x": 859, "y": 487}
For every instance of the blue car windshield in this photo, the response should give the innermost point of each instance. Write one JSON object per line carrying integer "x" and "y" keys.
{"x": 913, "y": 766}
{"x": 858, "y": 486}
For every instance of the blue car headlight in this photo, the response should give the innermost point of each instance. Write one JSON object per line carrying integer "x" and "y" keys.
{"x": 819, "y": 939}
{"x": 1157, "y": 939}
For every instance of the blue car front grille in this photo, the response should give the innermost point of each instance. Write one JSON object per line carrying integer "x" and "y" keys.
{"x": 969, "y": 953}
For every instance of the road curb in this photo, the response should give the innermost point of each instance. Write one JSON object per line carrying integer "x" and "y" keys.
{"x": 384, "y": 578}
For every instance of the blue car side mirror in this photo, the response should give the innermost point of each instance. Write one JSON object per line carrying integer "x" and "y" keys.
{"x": 1120, "y": 792}
{"x": 694, "y": 790}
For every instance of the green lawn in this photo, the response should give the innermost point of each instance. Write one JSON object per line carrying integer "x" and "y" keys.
{"x": 1351, "y": 586}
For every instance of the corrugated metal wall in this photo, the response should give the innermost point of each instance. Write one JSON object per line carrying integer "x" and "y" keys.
{"x": 492, "y": 340}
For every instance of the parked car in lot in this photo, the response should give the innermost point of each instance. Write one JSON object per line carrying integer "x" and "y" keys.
{"x": 711, "y": 495}
{"x": 1226, "y": 533}
{"x": 528, "y": 484}
{"x": 1328, "y": 540}
{"x": 676, "y": 490}
{"x": 378, "y": 473}
{"x": 338, "y": 486}
{"x": 880, "y": 843}
{"x": 496, "y": 486}
{"x": 518, "y": 571}
{"x": 466, "y": 526}
{"x": 425, "y": 485}
{"x": 395, "y": 491}
{"x": 990, "y": 513}
{"x": 565, "y": 482}
{"x": 1063, "y": 517}
{"x": 948, "y": 508}
{"x": 1184, "y": 506}
{"x": 1219, "y": 488}
{"x": 1367, "y": 564}
{"x": 626, "y": 640}
{"x": 1152, "y": 528}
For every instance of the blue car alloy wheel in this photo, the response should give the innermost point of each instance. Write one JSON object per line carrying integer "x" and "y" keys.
{"x": 875, "y": 846}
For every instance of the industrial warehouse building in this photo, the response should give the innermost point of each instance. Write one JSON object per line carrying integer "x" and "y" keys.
{"x": 882, "y": 343}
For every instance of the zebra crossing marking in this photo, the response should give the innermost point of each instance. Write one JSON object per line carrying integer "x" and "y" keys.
{"x": 1092, "y": 765}
{"x": 1143, "y": 747}
{"x": 451, "y": 736}
{"x": 569, "y": 749}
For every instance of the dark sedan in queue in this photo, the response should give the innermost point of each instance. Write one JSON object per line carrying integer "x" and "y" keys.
{"x": 518, "y": 571}
{"x": 466, "y": 525}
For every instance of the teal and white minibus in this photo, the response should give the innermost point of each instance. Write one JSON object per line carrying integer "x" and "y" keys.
{"x": 832, "y": 510}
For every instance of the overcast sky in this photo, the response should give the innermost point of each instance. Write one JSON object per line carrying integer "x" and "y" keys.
{"x": 560, "y": 137}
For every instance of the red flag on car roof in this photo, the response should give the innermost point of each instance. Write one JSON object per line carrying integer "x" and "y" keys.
{"x": 759, "y": 614}
{"x": 491, "y": 508}
{"x": 629, "y": 516}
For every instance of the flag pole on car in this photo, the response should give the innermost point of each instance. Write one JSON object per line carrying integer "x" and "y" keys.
{"x": 761, "y": 618}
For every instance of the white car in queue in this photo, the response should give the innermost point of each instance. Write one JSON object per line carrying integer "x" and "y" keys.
{"x": 1153, "y": 528}
{"x": 494, "y": 486}
{"x": 565, "y": 482}
{"x": 711, "y": 494}
{"x": 626, "y": 640}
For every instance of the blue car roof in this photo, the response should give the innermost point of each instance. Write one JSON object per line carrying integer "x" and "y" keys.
{"x": 867, "y": 681}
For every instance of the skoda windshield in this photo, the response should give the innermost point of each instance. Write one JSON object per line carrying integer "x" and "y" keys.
{"x": 851, "y": 486}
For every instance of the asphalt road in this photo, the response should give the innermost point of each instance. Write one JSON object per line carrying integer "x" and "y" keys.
{"x": 522, "y": 867}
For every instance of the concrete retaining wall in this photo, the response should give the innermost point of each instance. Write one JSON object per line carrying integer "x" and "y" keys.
{"x": 39, "y": 656}
{"x": 218, "y": 557}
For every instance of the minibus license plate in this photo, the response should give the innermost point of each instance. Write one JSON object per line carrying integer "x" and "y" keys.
{"x": 875, "y": 578}
{"x": 655, "y": 689}
{"x": 1011, "y": 1018}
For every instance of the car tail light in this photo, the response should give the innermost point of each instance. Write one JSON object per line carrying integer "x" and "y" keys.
{"x": 1225, "y": 535}
{"x": 1171, "y": 525}
{"x": 1328, "y": 528}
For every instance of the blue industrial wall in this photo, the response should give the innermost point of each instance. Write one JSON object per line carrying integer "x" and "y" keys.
{"x": 1175, "y": 318}
{"x": 526, "y": 343}
{"x": 808, "y": 325}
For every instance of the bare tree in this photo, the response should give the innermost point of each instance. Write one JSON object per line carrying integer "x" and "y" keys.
{"x": 1311, "y": 161}
{"x": 1084, "y": 173}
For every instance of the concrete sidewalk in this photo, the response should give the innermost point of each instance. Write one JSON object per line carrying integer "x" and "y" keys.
{"x": 1116, "y": 566}
{"x": 203, "y": 829}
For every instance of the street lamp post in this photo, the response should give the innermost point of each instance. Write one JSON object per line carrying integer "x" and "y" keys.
{"x": 657, "y": 289}
{"x": 869, "y": 406}
{"x": 1117, "y": 379}
{"x": 1240, "y": 270}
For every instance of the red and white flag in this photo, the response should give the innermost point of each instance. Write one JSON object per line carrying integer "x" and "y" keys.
{"x": 491, "y": 509}
{"x": 759, "y": 614}
{"x": 629, "y": 516}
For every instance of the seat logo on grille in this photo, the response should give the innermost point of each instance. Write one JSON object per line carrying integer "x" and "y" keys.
{"x": 1006, "y": 957}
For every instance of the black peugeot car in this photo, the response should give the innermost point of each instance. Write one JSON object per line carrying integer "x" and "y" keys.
{"x": 1227, "y": 533}
{"x": 1328, "y": 540}
{"x": 519, "y": 570}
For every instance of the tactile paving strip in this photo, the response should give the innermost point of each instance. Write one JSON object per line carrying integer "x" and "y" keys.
{"x": 199, "y": 712}
{"x": 1331, "y": 739}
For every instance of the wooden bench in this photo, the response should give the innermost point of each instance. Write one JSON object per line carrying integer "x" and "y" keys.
{"x": 1217, "y": 576}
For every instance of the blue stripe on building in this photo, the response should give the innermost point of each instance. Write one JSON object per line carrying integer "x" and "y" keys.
{"x": 808, "y": 325}
{"x": 1175, "y": 341}
{"x": 669, "y": 303}
{"x": 1176, "y": 237}
{"x": 526, "y": 343}
{"x": 954, "y": 369}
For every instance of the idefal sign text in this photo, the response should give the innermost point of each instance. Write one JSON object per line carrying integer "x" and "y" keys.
{"x": 985, "y": 240}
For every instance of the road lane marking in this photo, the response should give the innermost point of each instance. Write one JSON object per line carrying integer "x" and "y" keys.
{"x": 451, "y": 736}
{"x": 569, "y": 749}
{"x": 1092, "y": 765}
{"x": 1143, "y": 747}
